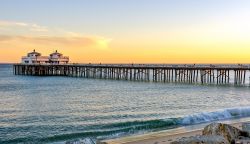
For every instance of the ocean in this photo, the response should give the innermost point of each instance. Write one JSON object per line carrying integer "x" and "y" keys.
{"x": 66, "y": 109}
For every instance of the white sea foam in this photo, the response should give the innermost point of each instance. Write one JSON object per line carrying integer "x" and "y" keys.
{"x": 217, "y": 115}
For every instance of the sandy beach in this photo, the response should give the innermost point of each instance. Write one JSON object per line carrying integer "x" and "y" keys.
{"x": 154, "y": 138}
{"x": 168, "y": 136}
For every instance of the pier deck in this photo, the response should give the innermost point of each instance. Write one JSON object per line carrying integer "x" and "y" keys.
{"x": 204, "y": 74}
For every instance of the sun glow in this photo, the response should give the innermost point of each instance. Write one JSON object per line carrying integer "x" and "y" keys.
{"x": 103, "y": 43}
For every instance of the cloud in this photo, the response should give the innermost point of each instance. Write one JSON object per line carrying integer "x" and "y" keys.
{"x": 34, "y": 34}
{"x": 4, "y": 38}
{"x": 28, "y": 26}
{"x": 10, "y": 24}
{"x": 35, "y": 27}
{"x": 76, "y": 41}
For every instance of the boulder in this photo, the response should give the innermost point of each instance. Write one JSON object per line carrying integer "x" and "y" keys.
{"x": 246, "y": 127}
{"x": 242, "y": 140}
{"x": 209, "y": 139}
{"x": 230, "y": 133}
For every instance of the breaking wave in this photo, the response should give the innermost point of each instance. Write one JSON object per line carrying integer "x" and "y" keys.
{"x": 127, "y": 128}
{"x": 217, "y": 115}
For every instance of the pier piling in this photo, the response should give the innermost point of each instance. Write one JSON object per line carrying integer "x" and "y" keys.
{"x": 204, "y": 74}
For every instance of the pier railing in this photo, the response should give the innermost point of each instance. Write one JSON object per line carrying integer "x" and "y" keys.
{"x": 181, "y": 73}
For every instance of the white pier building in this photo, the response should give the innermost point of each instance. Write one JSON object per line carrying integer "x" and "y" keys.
{"x": 36, "y": 58}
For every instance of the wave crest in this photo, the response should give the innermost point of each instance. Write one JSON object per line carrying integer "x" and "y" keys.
{"x": 217, "y": 115}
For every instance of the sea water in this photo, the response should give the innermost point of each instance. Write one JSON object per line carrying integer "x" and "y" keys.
{"x": 62, "y": 109}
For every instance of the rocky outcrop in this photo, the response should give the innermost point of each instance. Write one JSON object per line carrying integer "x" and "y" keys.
{"x": 212, "y": 139}
{"x": 230, "y": 133}
{"x": 246, "y": 127}
{"x": 217, "y": 133}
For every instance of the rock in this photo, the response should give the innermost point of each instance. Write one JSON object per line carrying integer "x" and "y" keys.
{"x": 230, "y": 133}
{"x": 209, "y": 139}
{"x": 243, "y": 140}
{"x": 246, "y": 127}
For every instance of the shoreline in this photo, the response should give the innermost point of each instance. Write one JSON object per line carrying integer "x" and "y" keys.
{"x": 171, "y": 135}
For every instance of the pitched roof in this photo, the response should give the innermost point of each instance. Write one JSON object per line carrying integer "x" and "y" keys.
{"x": 34, "y": 52}
{"x": 56, "y": 53}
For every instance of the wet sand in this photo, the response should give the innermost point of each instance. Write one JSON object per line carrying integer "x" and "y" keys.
{"x": 168, "y": 136}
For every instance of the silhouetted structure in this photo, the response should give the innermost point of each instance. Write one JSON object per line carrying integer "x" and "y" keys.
{"x": 204, "y": 74}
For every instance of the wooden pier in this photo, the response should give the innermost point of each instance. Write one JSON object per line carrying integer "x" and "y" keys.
{"x": 203, "y": 74}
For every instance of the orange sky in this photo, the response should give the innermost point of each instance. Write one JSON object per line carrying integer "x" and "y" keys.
{"x": 163, "y": 32}
{"x": 108, "y": 51}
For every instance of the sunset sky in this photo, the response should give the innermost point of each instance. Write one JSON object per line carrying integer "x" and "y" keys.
{"x": 127, "y": 31}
